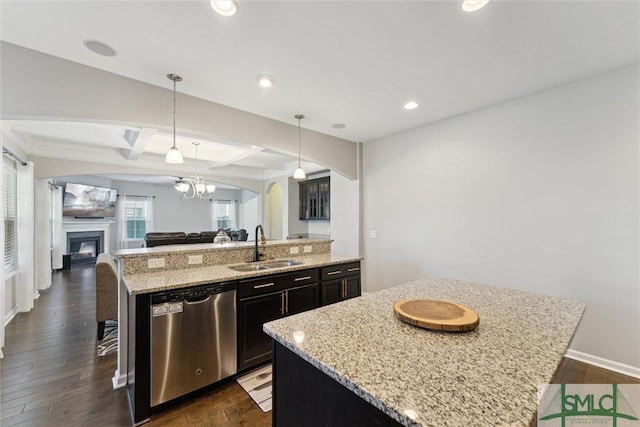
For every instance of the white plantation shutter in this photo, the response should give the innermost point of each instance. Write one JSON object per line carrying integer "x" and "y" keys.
{"x": 10, "y": 217}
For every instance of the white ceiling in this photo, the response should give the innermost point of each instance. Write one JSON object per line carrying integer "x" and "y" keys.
{"x": 351, "y": 62}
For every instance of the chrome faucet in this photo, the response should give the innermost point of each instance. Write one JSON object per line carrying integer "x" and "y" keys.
{"x": 263, "y": 240}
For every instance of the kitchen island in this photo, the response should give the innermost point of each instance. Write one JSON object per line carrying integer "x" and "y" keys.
{"x": 354, "y": 363}
{"x": 169, "y": 305}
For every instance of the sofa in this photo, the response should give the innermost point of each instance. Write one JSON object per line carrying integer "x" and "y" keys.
{"x": 106, "y": 291}
{"x": 181, "y": 238}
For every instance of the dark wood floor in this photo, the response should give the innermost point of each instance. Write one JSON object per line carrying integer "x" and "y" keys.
{"x": 50, "y": 375}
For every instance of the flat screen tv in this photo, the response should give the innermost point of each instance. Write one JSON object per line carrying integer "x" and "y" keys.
{"x": 87, "y": 201}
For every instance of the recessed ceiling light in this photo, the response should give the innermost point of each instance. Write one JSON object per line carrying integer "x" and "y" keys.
{"x": 225, "y": 7}
{"x": 100, "y": 48}
{"x": 473, "y": 5}
{"x": 264, "y": 80}
{"x": 338, "y": 126}
{"x": 411, "y": 105}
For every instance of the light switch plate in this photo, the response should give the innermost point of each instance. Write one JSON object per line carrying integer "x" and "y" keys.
{"x": 373, "y": 234}
{"x": 195, "y": 259}
{"x": 294, "y": 250}
{"x": 155, "y": 263}
{"x": 308, "y": 249}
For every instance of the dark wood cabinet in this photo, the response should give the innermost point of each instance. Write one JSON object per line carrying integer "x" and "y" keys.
{"x": 303, "y": 395}
{"x": 315, "y": 199}
{"x": 254, "y": 346}
{"x": 266, "y": 299}
{"x": 340, "y": 282}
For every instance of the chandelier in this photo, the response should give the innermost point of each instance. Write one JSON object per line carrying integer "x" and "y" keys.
{"x": 195, "y": 185}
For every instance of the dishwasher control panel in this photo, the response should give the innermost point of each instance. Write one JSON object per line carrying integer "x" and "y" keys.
{"x": 169, "y": 308}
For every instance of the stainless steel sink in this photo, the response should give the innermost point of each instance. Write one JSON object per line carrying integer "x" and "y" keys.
{"x": 248, "y": 267}
{"x": 283, "y": 263}
{"x": 265, "y": 265}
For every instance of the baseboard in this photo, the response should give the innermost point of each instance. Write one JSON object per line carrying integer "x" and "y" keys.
{"x": 118, "y": 380}
{"x": 621, "y": 368}
{"x": 10, "y": 315}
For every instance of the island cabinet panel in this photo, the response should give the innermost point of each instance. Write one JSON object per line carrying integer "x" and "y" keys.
{"x": 266, "y": 299}
{"x": 305, "y": 396}
{"x": 139, "y": 357}
{"x": 340, "y": 282}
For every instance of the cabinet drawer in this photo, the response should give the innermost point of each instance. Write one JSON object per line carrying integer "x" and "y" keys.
{"x": 340, "y": 270}
{"x": 299, "y": 278}
{"x": 276, "y": 282}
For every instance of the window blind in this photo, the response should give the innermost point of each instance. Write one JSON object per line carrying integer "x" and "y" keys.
{"x": 10, "y": 216}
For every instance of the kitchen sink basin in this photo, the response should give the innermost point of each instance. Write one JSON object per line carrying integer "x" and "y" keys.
{"x": 248, "y": 267}
{"x": 283, "y": 263}
{"x": 265, "y": 265}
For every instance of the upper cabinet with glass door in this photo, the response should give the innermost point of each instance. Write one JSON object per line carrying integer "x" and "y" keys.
{"x": 314, "y": 199}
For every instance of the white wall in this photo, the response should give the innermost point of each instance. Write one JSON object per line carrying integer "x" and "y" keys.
{"x": 345, "y": 215}
{"x": 274, "y": 212}
{"x": 540, "y": 193}
{"x": 173, "y": 213}
{"x": 295, "y": 226}
{"x": 249, "y": 212}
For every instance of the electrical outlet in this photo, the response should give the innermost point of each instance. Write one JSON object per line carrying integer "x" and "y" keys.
{"x": 195, "y": 259}
{"x": 373, "y": 234}
{"x": 308, "y": 249}
{"x": 294, "y": 250}
{"x": 155, "y": 263}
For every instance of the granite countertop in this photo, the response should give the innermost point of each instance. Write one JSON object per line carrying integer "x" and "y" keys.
{"x": 198, "y": 247}
{"x": 426, "y": 378}
{"x": 174, "y": 279}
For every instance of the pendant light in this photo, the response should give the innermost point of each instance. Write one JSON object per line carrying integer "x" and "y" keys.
{"x": 173, "y": 155}
{"x": 299, "y": 173}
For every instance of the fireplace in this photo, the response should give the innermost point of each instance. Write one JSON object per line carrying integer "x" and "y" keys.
{"x": 83, "y": 247}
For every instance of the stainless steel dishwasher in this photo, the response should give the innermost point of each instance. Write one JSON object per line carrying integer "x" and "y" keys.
{"x": 193, "y": 339}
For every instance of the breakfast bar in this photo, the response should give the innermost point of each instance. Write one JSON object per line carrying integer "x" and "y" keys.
{"x": 355, "y": 363}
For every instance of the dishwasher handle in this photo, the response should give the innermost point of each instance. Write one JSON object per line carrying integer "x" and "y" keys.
{"x": 197, "y": 299}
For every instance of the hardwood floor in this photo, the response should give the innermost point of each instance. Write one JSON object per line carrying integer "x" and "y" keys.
{"x": 50, "y": 375}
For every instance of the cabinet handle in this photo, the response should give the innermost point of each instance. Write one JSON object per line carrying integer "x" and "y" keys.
{"x": 282, "y": 303}
{"x": 331, "y": 273}
{"x": 266, "y": 285}
{"x": 286, "y": 302}
{"x": 344, "y": 286}
{"x": 353, "y": 269}
{"x": 297, "y": 279}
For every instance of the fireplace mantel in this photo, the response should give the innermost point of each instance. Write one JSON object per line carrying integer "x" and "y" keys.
{"x": 77, "y": 226}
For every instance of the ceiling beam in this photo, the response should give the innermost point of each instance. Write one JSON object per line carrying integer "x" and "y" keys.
{"x": 138, "y": 141}
{"x": 243, "y": 155}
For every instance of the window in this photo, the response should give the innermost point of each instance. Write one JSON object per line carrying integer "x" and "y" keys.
{"x": 224, "y": 214}
{"x": 10, "y": 208}
{"x": 136, "y": 216}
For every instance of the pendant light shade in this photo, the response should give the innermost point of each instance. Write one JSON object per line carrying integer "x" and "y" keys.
{"x": 299, "y": 172}
{"x": 173, "y": 155}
